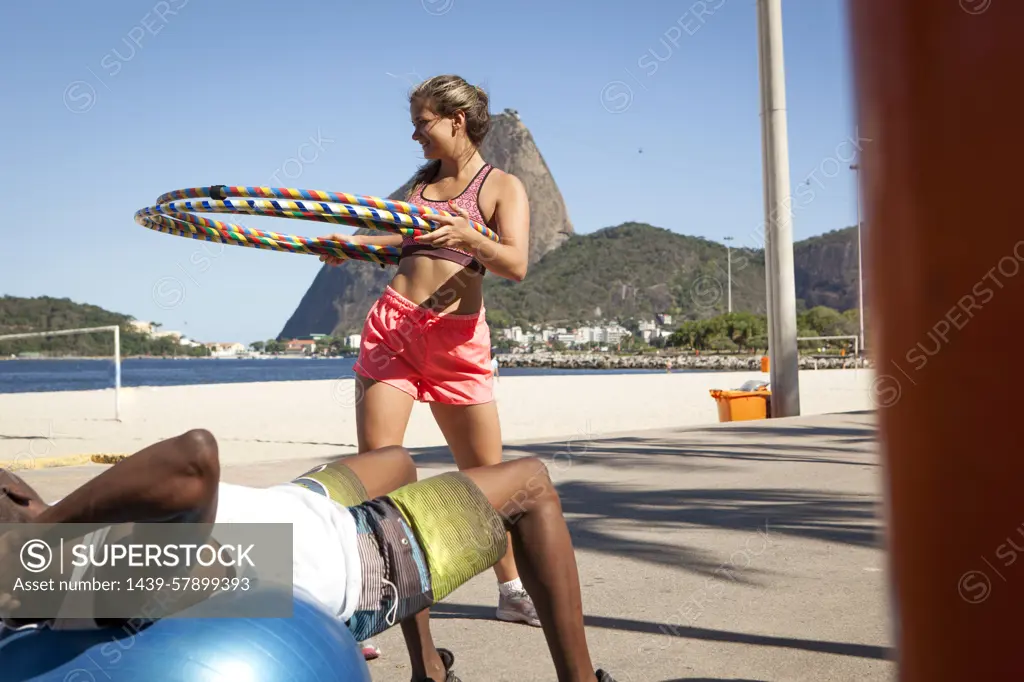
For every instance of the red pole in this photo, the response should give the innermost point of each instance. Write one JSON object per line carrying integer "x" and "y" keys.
{"x": 939, "y": 99}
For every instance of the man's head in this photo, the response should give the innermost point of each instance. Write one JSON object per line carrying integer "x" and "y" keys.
{"x": 19, "y": 503}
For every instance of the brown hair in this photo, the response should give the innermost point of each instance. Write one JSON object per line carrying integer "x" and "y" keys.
{"x": 445, "y": 95}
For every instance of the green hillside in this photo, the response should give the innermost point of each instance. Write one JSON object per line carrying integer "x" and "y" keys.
{"x": 634, "y": 270}
{"x": 22, "y": 315}
{"x": 631, "y": 270}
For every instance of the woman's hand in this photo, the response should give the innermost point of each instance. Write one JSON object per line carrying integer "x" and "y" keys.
{"x": 332, "y": 260}
{"x": 455, "y": 232}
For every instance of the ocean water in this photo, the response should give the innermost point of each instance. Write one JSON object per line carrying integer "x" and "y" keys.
{"x": 28, "y": 376}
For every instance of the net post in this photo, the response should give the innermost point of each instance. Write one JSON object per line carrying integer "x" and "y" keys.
{"x": 117, "y": 373}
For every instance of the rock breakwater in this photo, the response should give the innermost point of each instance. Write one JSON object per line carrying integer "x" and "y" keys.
{"x": 727, "y": 363}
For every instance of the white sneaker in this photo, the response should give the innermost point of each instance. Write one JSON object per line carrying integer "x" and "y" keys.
{"x": 370, "y": 650}
{"x": 518, "y": 607}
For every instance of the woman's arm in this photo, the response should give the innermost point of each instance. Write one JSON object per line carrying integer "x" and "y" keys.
{"x": 510, "y": 258}
{"x": 394, "y": 240}
{"x": 371, "y": 239}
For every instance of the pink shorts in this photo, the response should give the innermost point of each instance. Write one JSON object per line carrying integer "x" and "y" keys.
{"x": 433, "y": 358}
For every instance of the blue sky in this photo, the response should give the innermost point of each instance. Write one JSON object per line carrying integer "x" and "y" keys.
{"x": 110, "y": 104}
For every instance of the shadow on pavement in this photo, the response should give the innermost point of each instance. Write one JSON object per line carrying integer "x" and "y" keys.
{"x": 711, "y": 679}
{"x": 451, "y": 610}
{"x": 693, "y": 449}
{"x": 830, "y": 516}
{"x": 644, "y": 520}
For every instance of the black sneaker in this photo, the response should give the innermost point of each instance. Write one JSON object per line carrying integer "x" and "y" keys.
{"x": 448, "y": 659}
{"x": 602, "y": 676}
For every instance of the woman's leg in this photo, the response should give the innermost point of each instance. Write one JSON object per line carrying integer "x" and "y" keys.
{"x": 382, "y": 414}
{"x": 473, "y": 433}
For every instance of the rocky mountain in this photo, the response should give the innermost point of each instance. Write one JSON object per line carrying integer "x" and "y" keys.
{"x": 339, "y": 297}
{"x": 826, "y": 269}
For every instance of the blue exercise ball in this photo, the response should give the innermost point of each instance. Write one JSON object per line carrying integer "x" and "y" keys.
{"x": 311, "y": 646}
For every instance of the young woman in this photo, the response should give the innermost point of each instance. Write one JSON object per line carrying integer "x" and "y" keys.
{"x": 426, "y": 338}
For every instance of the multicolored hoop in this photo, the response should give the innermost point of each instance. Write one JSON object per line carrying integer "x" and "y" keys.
{"x": 174, "y": 213}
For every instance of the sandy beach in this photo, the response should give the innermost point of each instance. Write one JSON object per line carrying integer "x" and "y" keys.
{"x": 259, "y": 422}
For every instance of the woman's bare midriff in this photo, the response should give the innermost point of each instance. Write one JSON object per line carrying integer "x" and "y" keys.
{"x": 439, "y": 285}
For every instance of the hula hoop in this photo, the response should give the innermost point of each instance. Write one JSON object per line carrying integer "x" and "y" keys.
{"x": 174, "y": 213}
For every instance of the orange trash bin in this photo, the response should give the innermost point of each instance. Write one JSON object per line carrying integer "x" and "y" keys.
{"x": 736, "y": 406}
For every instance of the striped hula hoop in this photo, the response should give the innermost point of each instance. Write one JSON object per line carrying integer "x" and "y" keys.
{"x": 174, "y": 213}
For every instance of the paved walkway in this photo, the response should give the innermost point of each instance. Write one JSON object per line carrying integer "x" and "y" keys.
{"x": 739, "y": 552}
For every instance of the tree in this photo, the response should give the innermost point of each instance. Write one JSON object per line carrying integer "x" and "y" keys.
{"x": 824, "y": 322}
{"x": 166, "y": 345}
{"x": 499, "y": 319}
{"x": 504, "y": 345}
{"x": 852, "y": 317}
{"x": 721, "y": 343}
{"x": 257, "y": 346}
{"x": 331, "y": 345}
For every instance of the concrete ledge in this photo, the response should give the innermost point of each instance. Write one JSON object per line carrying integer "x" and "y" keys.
{"x": 29, "y": 463}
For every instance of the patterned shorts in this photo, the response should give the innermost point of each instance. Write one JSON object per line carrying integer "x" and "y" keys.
{"x": 416, "y": 545}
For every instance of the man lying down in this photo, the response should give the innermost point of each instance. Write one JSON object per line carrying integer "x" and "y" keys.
{"x": 370, "y": 543}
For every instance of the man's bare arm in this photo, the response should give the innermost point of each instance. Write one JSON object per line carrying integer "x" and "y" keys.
{"x": 173, "y": 480}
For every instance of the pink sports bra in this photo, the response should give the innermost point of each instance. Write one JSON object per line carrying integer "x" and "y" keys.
{"x": 469, "y": 200}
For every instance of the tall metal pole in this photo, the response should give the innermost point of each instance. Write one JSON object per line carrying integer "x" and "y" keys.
{"x": 728, "y": 259}
{"x": 117, "y": 373}
{"x": 860, "y": 262}
{"x": 765, "y": 174}
{"x": 784, "y": 361}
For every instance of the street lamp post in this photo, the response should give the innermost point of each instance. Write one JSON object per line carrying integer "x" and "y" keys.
{"x": 728, "y": 258}
{"x": 860, "y": 262}
{"x": 778, "y": 215}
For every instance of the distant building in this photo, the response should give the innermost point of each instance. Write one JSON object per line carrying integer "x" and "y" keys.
{"x": 517, "y": 335}
{"x": 586, "y": 335}
{"x": 614, "y": 333}
{"x": 353, "y": 340}
{"x": 300, "y": 347}
{"x": 225, "y": 350}
{"x": 153, "y": 331}
{"x": 141, "y": 327}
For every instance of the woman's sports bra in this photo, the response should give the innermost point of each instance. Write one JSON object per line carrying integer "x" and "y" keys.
{"x": 468, "y": 200}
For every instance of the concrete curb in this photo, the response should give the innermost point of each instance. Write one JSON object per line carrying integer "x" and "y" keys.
{"x": 29, "y": 463}
{"x": 107, "y": 458}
